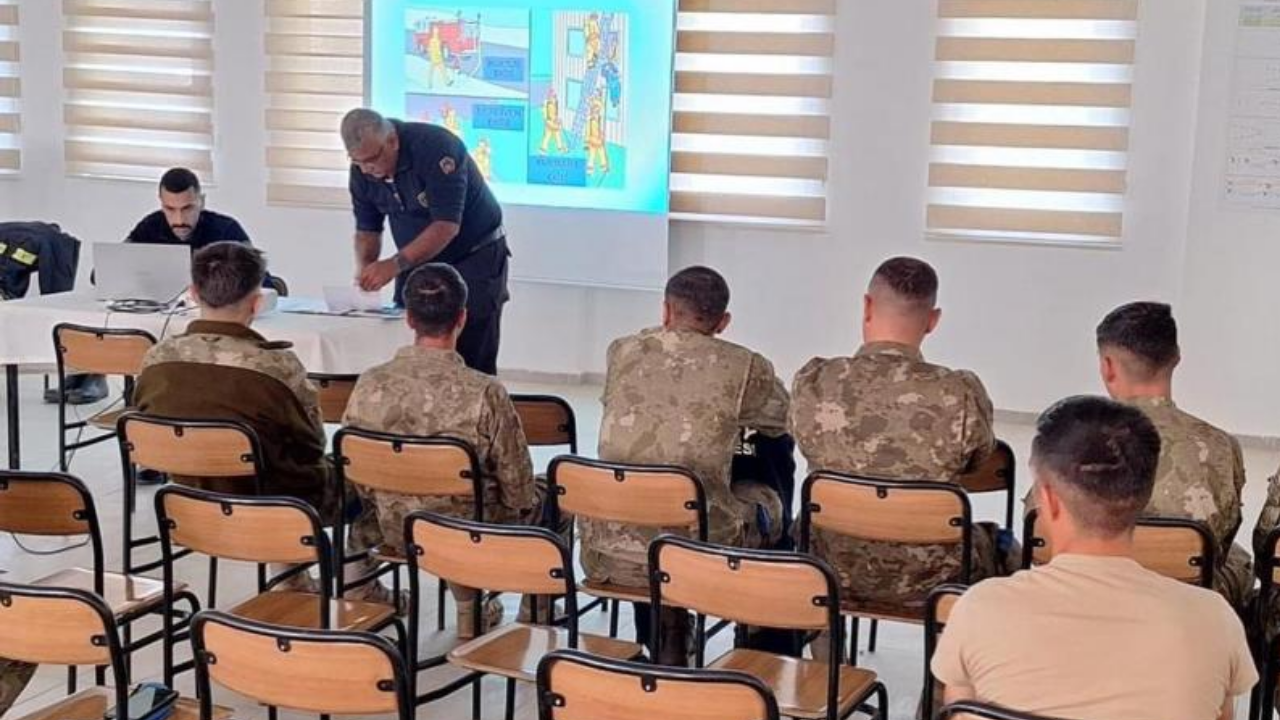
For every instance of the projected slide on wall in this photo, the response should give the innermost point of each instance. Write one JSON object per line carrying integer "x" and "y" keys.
{"x": 562, "y": 103}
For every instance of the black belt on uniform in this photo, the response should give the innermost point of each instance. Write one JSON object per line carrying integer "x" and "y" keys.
{"x": 494, "y": 237}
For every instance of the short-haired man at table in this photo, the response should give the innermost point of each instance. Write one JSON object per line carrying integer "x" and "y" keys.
{"x": 182, "y": 218}
{"x": 1093, "y": 635}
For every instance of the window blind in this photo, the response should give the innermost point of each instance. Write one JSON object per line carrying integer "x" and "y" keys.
{"x": 752, "y": 110}
{"x": 315, "y": 74}
{"x": 138, "y": 76}
{"x": 10, "y": 89}
{"x": 1031, "y": 111}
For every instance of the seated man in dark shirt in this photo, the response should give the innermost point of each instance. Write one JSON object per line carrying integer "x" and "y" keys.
{"x": 182, "y": 219}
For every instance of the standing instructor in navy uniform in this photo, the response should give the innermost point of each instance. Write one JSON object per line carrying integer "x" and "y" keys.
{"x": 421, "y": 177}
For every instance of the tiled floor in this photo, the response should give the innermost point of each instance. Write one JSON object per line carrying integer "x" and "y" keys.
{"x": 898, "y": 658}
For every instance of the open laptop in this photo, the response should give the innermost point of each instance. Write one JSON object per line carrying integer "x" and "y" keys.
{"x": 137, "y": 271}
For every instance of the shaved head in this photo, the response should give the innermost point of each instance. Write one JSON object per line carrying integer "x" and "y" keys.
{"x": 906, "y": 286}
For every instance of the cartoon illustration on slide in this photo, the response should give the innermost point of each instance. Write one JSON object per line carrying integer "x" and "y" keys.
{"x": 449, "y": 119}
{"x": 552, "y": 128}
{"x": 578, "y": 66}
{"x": 482, "y": 153}
{"x": 480, "y": 53}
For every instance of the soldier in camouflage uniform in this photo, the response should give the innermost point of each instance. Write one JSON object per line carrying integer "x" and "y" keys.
{"x": 428, "y": 390}
{"x": 679, "y": 395}
{"x": 887, "y": 413}
{"x": 1201, "y": 471}
{"x": 14, "y": 677}
{"x": 1268, "y": 521}
{"x": 220, "y": 369}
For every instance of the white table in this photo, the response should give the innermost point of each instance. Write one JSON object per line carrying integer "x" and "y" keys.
{"x": 325, "y": 344}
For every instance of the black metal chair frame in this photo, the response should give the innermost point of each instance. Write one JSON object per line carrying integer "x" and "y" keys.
{"x": 110, "y": 636}
{"x": 983, "y": 710}
{"x": 570, "y": 428}
{"x": 1010, "y": 476}
{"x": 400, "y": 682}
{"x": 1205, "y": 562}
{"x": 651, "y": 676}
{"x": 932, "y": 629}
{"x": 89, "y": 516}
{"x": 733, "y": 557}
{"x": 883, "y": 488}
{"x": 620, "y": 471}
{"x": 323, "y": 380}
{"x": 477, "y": 530}
{"x": 397, "y": 442}
{"x": 63, "y": 426}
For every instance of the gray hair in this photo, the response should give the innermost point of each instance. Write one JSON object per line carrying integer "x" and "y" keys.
{"x": 360, "y": 123}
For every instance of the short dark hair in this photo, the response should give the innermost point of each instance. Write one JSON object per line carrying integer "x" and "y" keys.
{"x": 1105, "y": 453}
{"x": 434, "y": 297}
{"x": 179, "y": 180}
{"x": 224, "y": 273}
{"x": 1146, "y": 330}
{"x": 700, "y": 294}
{"x": 911, "y": 279}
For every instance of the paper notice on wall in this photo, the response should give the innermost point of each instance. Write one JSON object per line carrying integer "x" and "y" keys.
{"x": 1252, "y": 178}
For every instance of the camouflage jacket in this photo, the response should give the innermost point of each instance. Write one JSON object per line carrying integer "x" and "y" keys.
{"x": 1269, "y": 518}
{"x": 425, "y": 392}
{"x": 226, "y": 371}
{"x": 674, "y": 397}
{"x": 1201, "y": 471}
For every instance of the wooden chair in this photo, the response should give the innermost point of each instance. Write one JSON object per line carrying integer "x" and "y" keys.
{"x": 181, "y": 448}
{"x": 576, "y": 686}
{"x": 765, "y": 589}
{"x": 547, "y": 420}
{"x": 942, "y": 600}
{"x": 58, "y": 505}
{"x": 971, "y": 709}
{"x": 436, "y": 467}
{"x": 656, "y": 497}
{"x": 308, "y": 670}
{"x": 1176, "y": 548}
{"x": 334, "y": 392}
{"x": 886, "y": 511}
{"x": 1262, "y": 706}
{"x": 259, "y": 530}
{"x": 70, "y": 626}
{"x": 998, "y": 473}
{"x": 96, "y": 351}
{"x": 502, "y": 558}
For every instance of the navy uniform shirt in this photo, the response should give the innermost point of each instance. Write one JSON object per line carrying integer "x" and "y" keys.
{"x": 212, "y": 227}
{"x": 436, "y": 179}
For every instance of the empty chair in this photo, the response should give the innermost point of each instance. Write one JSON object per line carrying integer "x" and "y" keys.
{"x": 997, "y": 473}
{"x": 308, "y": 670}
{"x": 576, "y": 686}
{"x": 334, "y": 390}
{"x": 766, "y": 589}
{"x": 547, "y": 421}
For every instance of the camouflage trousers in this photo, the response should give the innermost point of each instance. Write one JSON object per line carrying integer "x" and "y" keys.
{"x": 14, "y": 677}
{"x": 902, "y": 575}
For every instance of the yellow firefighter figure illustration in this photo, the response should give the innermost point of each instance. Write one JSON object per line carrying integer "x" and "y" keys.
{"x": 597, "y": 152}
{"x": 483, "y": 156}
{"x": 553, "y": 126}
{"x": 449, "y": 119}
{"x": 591, "y": 29}
{"x": 435, "y": 55}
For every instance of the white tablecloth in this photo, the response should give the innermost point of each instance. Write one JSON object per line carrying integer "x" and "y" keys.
{"x": 325, "y": 344}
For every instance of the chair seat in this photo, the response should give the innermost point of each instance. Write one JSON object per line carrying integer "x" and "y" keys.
{"x": 800, "y": 685}
{"x": 513, "y": 651}
{"x": 107, "y": 420}
{"x": 126, "y": 595}
{"x": 615, "y": 592}
{"x": 884, "y": 611}
{"x": 302, "y": 610}
{"x": 93, "y": 703}
{"x": 388, "y": 554}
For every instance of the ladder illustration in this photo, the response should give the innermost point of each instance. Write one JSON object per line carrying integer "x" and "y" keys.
{"x": 608, "y": 41}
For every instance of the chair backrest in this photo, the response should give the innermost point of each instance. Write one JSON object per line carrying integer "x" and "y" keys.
{"x": 994, "y": 474}
{"x": 907, "y": 512}
{"x": 105, "y": 351}
{"x": 57, "y": 626}
{"x": 972, "y": 709}
{"x": 941, "y": 601}
{"x": 313, "y": 671}
{"x": 236, "y": 527}
{"x": 39, "y": 503}
{"x": 192, "y": 448}
{"x": 653, "y": 496}
{"x": 502, "y": 558}
{"x": 749, "y": 587}
{"x": 577, "y": 686}
{"x": 547, "y": 420}
{"x": 1176, "y": 548}
{"x": 428, "y": 467}
{"x": 334, "y": 392}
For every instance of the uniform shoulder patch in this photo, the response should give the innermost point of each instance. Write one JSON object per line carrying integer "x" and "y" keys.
{"x": 448, "y": 165}
{"x": 275, "y": 345}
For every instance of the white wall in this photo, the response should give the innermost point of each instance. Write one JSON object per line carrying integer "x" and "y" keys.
{"x": 1021, "y": 316}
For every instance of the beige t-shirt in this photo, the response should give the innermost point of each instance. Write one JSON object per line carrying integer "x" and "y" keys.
{"x": 1096, "y": 638}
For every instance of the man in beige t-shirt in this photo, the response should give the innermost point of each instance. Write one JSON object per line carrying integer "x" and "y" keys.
{"x": 1093, "y": 635}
